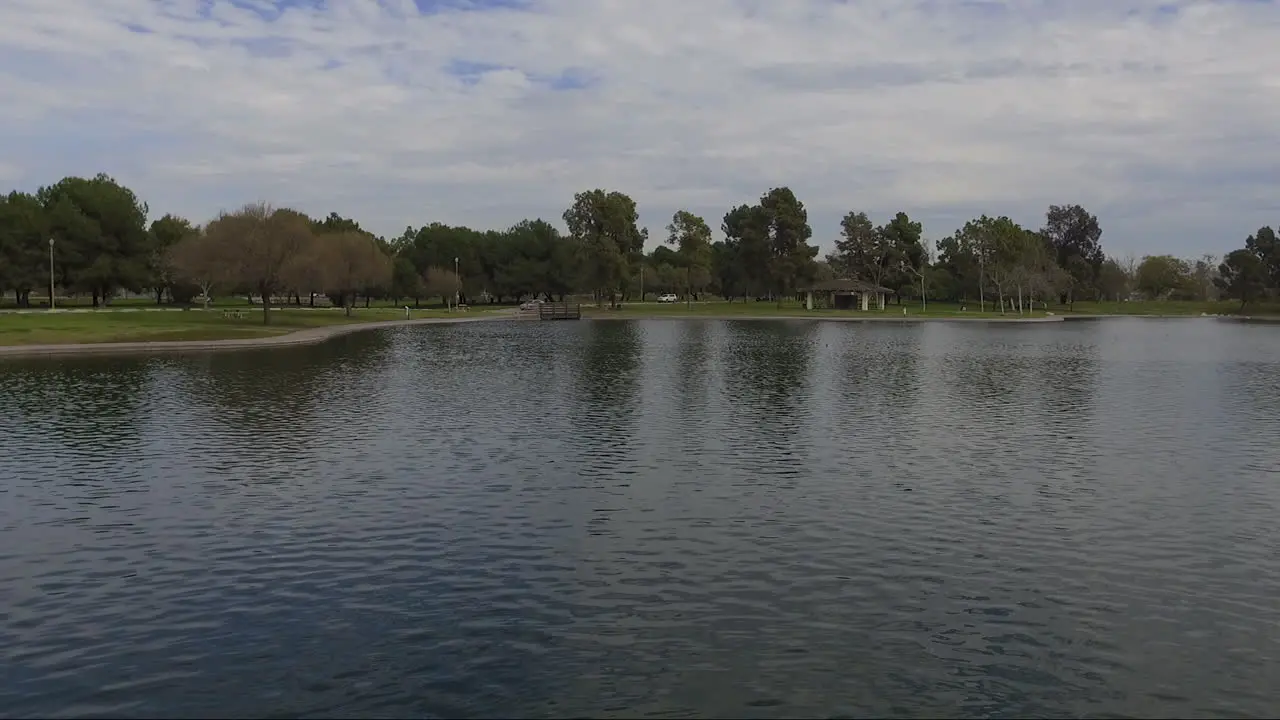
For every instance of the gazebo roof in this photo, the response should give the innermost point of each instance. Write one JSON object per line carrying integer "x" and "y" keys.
{"x": 847, "y": 285}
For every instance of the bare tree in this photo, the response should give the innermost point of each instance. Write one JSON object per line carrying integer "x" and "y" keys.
{"x": 440, "y": 281}
{"x": 352, "y": 260}
{"x": 306, "y": 272}
{"x": 199, "y": 259}
{"x": 260, "y": 242}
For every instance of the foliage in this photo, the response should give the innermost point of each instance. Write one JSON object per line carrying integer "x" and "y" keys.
{"x": 1075, "y": 236}
{"x": 691, "y": 234}
{"x": 352, "y": 261}
{"x": 1160, "y": 277}
{"x": 102, "y": 244}
{"x": 1243, "y": 276}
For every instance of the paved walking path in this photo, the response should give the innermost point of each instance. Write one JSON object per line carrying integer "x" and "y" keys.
{"x": 309, "y": 336}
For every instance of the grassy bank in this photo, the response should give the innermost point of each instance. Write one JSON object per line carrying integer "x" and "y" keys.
{"x": 1168, "y": 308}
{"x": 55, "y": 328}
{"x": 791, "y": 309}
{"x": 720, "y": 308}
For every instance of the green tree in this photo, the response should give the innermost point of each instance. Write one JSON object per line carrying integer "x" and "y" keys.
{"x": 1159, "y": 276}
{"x": 959, "y": 261}
{"x": 405, "y": 280}
{"x": 101, "y": 233}
{"x": 903, "y": 253}
{"x": 727, "y": 278}
{"x": 788, "y": 233}
{"x": 164, "y": 234}
{"x": 858, "y": 251}
{"x": 1242, "y": 276}
{"x": 604, "y": 225}
{"x": 1005, "y": 249}
{"x": 24, "y": 232}
{"x": 691, "y": 234}
{"x": 746, "y": 230}
{"x": 1075, "y": 236}
{"x": 335, "y": 223}
{"x": 1113, "y": 281}
{"x": 1266, "y": 246}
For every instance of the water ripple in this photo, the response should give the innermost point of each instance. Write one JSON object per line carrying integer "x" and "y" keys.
{"x": 669, "y": 519}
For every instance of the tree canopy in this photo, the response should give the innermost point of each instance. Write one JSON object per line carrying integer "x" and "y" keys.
{"x": 102, "y": 244}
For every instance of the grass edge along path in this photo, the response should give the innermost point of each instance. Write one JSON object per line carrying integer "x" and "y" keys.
{"x": 110, "y": 332}
{"x": 719, "y": 309}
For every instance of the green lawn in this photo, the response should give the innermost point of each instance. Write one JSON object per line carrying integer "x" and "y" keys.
{"x": 38, "y": 328}
{"x": 1168, "y": 307}
{"x": 228, "y": 301}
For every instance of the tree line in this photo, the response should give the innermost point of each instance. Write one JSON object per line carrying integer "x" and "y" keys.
{"x": 95, "y": 233}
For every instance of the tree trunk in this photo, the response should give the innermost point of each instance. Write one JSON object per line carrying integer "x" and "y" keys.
{"x": 312, "y": 303}
{"x": 350, "y": 305}
{"x": 266, "y": 306}
{"x": 160, "y": 296}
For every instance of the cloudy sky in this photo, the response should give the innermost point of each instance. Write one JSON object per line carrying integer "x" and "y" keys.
{"x": 1163, "y": 118}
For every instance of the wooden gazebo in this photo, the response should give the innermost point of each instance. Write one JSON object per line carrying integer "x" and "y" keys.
{"x": 845, "y": 294}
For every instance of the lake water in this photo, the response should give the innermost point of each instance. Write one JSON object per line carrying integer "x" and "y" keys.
{"x": 666, "y": 518}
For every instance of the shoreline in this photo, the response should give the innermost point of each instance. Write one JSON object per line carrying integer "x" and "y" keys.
{"x": 837, "y": 318}
{"x": 316, "y": 335}
{"x": 306, "y": 336}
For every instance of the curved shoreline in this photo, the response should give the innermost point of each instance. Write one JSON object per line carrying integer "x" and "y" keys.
{"x": 307, "y": 336}
{"x": 313, "y": 336}
{"x": 823, "y": 318}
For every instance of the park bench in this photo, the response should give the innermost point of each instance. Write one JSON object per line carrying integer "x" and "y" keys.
{"x": 237, "y": 314}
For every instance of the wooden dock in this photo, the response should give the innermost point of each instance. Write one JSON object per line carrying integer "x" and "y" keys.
{"x": 560, "y": 311}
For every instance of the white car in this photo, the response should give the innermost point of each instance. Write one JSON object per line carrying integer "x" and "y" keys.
{"x": 531, "y": 304}
{"x": 667, "y": 298}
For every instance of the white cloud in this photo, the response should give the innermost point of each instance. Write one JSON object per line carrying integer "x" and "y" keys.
{"x": 1163, "y": 123}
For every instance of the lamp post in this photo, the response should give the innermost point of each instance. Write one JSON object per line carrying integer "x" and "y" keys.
{"x": 457, "y": 291}
{"x": 51, "y": 300}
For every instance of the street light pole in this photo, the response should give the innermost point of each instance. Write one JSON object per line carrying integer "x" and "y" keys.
{"x": 51, "y": 300}
{"x": 457, "y": 290}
